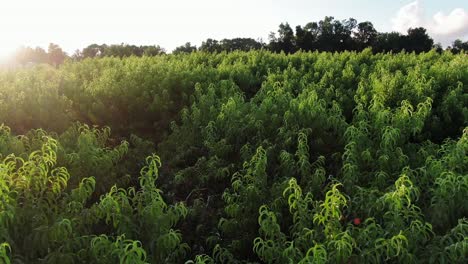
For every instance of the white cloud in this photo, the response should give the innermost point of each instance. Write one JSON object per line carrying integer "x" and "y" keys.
{"x": 444, "y": 28}
{"x": 410, "y": 15}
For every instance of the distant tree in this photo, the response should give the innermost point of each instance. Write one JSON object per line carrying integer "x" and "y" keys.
{"x": 343, "y": 31}
{"x": 273, "y": 44}
{"x": 438, "y": 47}
{"x": 304, "y": 38}
{"x": 40, "y": 55}
{"x": 118, "y": 50}
{"x": 56, "y": 54}
{"x": 29, "y": 55}
{"x": 77, "y": 55}
{"x": 388, "y": 42}
{"x": 186, "y": 48}
{"x": 285, "y": 40}
{"x": 333, "y": 35}
{"x": 311, "y": 35}
{"x": 211, "y": 45}
{"x": 417, "y": 40}
{"x": 153, "y": 50}
{"x": 122, "y": 50}
{"x": 326, "y": 40}
{"x": 244, "y": 44}
{"x": 366, "y": 35}
{"x": 459, "y": 46}
{"x": 327, "y": 34}
{"x": 93, "y": 50}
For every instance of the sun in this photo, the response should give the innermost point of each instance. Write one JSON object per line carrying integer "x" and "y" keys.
{"x": 7, "y": 50}
{"x": 16, "y": 23}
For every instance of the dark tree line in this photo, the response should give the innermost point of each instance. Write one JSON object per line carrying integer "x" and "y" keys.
{"x": 187, "y": 48}
{"x": 328, "y": 34}
{"x": 121, "y": 50}
{"x": 459, "y": 46}
{"x": 331, "y": 35}
{"x": 243, "y": 44}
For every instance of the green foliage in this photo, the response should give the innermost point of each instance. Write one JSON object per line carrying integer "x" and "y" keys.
{"x": 268, "y": 158}
{"x": 4, "y": 250}
{"x": 124, "y": 251}
{"x": 43, "y": 217}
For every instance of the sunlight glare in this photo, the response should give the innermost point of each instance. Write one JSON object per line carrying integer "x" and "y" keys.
{"x": 7, "y": 51}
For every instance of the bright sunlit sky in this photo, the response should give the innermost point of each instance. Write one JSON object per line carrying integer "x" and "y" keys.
{"x": 75, "y": 24}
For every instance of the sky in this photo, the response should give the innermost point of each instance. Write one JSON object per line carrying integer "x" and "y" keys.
{"x": 75, "y": 24}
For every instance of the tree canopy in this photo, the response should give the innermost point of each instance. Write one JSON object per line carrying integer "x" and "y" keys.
{"x": 328, "y": 34}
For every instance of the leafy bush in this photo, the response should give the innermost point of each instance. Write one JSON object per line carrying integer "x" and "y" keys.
{"x": 268, "y": 158}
